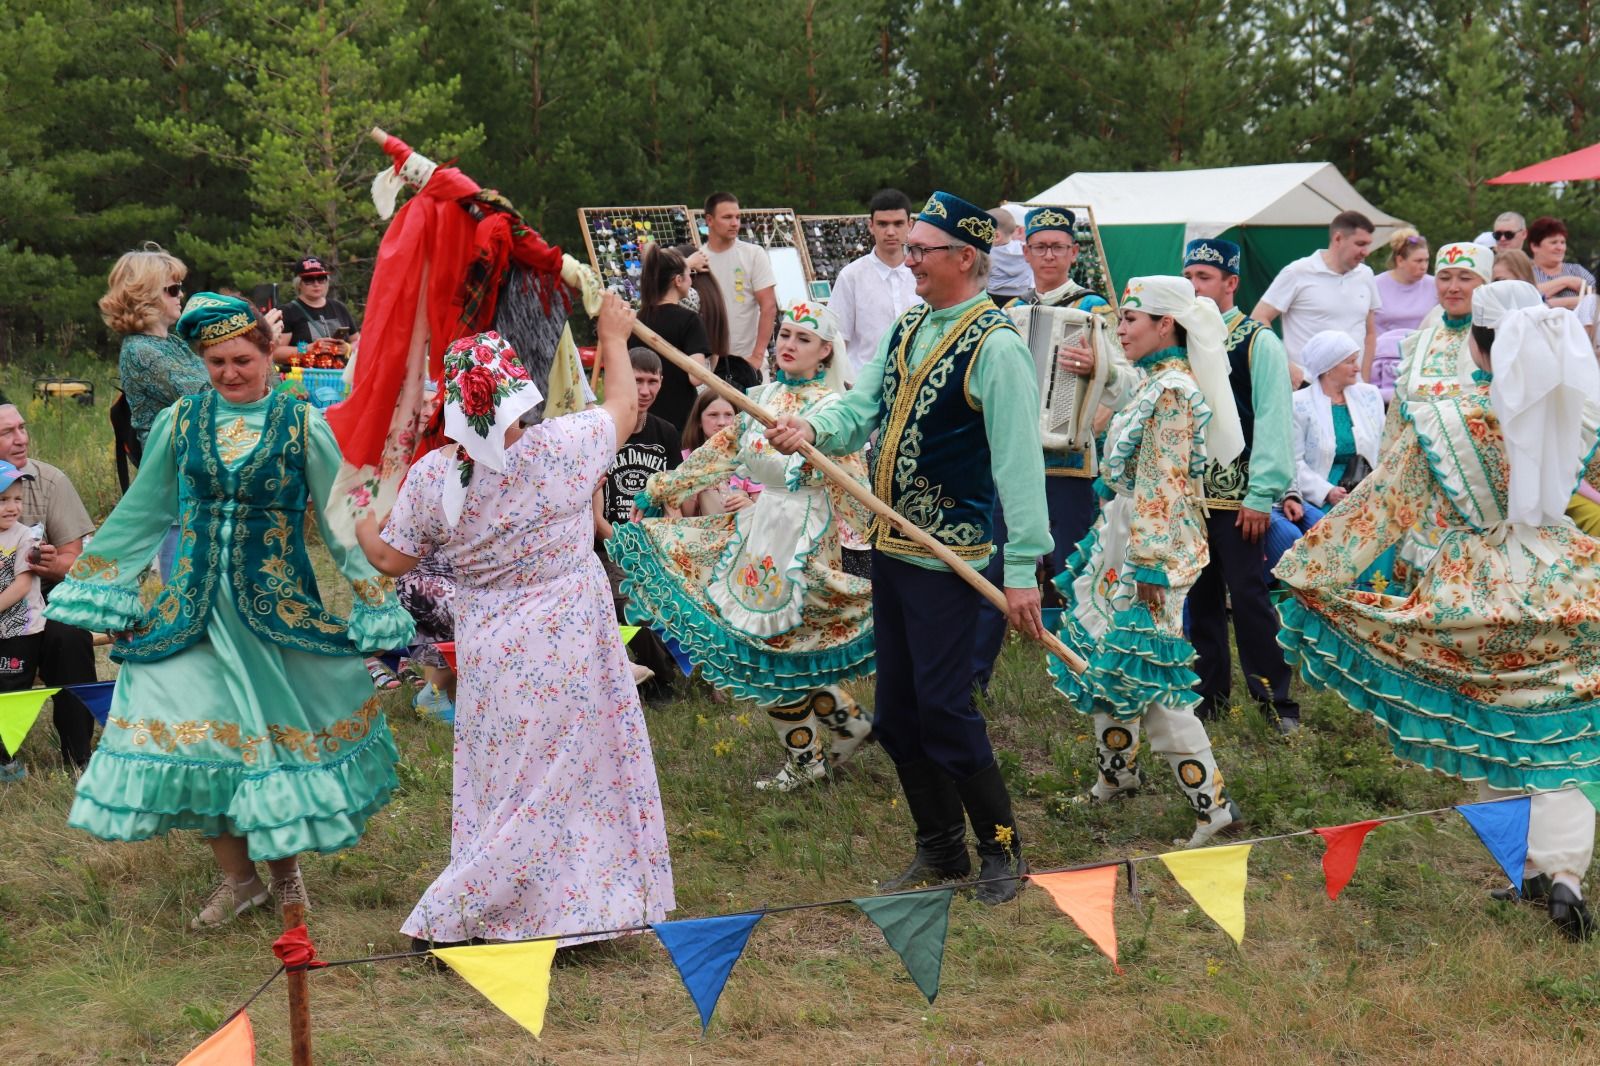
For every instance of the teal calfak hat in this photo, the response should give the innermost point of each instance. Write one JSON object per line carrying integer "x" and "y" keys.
{"x": 963, "y": 221}
{"x": 1048, "y": 218}
{"x": 211, "y": 318}
{"x": 1213, "y": 252}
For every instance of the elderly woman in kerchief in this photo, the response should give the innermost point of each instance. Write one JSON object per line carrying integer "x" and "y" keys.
{"x": 759, "y": 598}
{"x": 242, "y": 709}
{"x": 1338, "y": 419}
{"x": 1125, "y": 585}
{"x": 1486, "y": 670}
{"x": 557, "y": 826}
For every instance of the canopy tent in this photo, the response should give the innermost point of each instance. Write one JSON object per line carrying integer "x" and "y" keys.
{"x": 1276, "y": 213}
{"x": 1582, "y": 165}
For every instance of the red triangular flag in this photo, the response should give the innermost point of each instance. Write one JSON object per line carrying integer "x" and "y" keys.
{"x": 1344, "y": 848}
{"x": 1088, "y": 897}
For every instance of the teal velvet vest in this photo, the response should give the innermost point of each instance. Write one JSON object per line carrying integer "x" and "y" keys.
{"x": 932, "y": 460}
{"x": 263, "y": 563}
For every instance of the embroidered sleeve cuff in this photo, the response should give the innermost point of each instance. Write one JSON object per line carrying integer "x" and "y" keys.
{"x": 1150, "y": 576}
{"x": 648, "y": 508}
{"x": 98, "y": 606}
{"x": 1259, "y": 501}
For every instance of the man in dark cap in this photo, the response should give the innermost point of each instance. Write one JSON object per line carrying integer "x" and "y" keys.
{"x": 312, "y": 315}
{"x": 953, "y": 394}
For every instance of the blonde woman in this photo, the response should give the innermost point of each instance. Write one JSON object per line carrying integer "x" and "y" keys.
{"x": 144, "y": 297}
{"x": 1406, "y": 287}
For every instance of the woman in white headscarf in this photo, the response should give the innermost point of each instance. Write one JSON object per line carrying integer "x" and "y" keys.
{"x": 556, "y": 824}
{"x": 1337, "y": 422}
{"x": 1486, "y": 671}
{"x": 1125, "y": 585}
{"x": 759, "y": 598}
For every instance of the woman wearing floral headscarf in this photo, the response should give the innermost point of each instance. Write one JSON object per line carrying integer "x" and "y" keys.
{"x": 242, "y": 709}
{"x": 1125, "y": 584}
{"x": 557, "y": 825}
{"x": 759, "y": 598}
{"x": 1486, "y": 671}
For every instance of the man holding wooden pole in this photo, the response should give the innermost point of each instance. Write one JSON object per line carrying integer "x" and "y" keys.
{"x": 952, "y": 388}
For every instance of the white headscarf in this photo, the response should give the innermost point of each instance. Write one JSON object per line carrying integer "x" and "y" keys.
{"x": 1544, "y": 373}
{"x": 817, "y": 319}
{"x": 1466, "y": 256}
{"x": 486, "y": 390}
{"x": 1492, "y": 302}
{"x": 1322, "y": 353}
{"x": 1162, "y": 295}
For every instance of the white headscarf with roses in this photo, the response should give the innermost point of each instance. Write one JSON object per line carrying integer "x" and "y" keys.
{"x": 486, "y": 390}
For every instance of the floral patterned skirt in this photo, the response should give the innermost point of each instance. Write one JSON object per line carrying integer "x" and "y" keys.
{"x": 1480, "y": 672}
{"x": 669, "y": 564}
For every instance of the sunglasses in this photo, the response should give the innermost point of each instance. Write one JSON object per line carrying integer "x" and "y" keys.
{"x": 1504, "y": 234}
{"x": 174, "y": 290}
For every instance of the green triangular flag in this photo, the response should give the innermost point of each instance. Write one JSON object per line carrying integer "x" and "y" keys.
{"x": 1592, "y": 790}
{"x": 17, "y": 712}
{"x": 914, "y": 924}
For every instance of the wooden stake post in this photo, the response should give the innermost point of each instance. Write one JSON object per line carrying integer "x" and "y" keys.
{"x": 831, "y": 470}
{"x": 294, "y": 914}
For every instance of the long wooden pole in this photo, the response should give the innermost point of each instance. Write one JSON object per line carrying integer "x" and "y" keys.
{"x": 832, "y": 471}
{"x": 294, "y": 914}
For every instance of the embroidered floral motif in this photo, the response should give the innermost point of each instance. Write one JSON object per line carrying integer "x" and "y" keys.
{"x": 95, "y": 568}
{"x": 235, "y": 440}
{"x": 169, "y": 737}
{"x": 373, "y": 591}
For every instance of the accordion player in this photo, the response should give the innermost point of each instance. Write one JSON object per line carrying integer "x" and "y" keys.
{"x": 1067, "y": 401}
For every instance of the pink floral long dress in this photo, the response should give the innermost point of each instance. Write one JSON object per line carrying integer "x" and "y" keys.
{"x": 557, "y": 824}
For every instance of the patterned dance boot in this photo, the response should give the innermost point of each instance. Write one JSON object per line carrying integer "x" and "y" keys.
{"x": 842, "y": 717}
{"x": 1202, "y": 785}
{"x": 799, "y": 732}
{"x": 1117, "y": 754}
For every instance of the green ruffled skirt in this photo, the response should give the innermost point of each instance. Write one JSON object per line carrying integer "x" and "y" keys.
{"x": 238, "y": 736}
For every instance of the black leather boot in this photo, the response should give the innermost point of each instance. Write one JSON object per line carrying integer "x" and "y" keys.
{"x": 1000, "y": 860}
{"x": 941, "y": 831}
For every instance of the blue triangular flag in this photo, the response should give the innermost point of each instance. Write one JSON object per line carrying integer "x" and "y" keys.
{"x": 675, "y": 650}
{"x": 1502, "y": 825}
{"x": 704, "y": 951}
{"x": 96, "y": 697}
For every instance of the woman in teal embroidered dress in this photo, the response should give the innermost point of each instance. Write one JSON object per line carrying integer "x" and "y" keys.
{"x": 242, "y": 709}
{"x": 1125, "y": 584}
{"x": 759, "y": 597}
{"x": 1486, "y": 671}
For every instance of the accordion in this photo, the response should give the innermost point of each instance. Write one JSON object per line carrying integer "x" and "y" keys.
{"x": 1067, "y": 401}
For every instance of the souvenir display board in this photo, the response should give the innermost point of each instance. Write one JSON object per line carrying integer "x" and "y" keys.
{"x": 777, "y": 229}
{"x": 1090, "y": 270}
{"x": 616, "y": 237}
{"x": 833, "y": 241}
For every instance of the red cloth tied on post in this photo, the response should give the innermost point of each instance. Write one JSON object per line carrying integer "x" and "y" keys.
{"x": 296, "y": 951}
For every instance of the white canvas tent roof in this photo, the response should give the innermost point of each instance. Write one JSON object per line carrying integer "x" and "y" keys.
{"x": 1207, "y": 202}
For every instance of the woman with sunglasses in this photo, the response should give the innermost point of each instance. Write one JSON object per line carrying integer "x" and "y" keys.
{"x": 143, "y": 300}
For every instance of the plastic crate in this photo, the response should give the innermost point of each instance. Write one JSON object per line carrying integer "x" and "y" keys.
{"x": 324, "y": 388}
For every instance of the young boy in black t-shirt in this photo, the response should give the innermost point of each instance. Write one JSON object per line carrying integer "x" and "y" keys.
{"x": 651, "y": 448}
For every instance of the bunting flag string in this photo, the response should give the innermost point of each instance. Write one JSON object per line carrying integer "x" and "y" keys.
{"x": 515, "y": 976}
{"x": 914, "y": 924}
{"x": 1343, "y": 848}
{"x": 1088, "y": 897}
{"x": 17, "y": 713}
{"x": 704, "y": 951}
{"x": 1502, "y": 826}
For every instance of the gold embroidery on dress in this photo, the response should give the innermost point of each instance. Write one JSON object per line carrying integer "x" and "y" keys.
{"x": 235, "y": 440}
{"x": 90, "y": 567}
{"x": 169, "y": 737}
{"x": 372, "y": 591}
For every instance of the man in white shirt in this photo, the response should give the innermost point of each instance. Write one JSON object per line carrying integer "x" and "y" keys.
{"x": 743, "y": 272}
{"x": 870, "y": 293}
{"x": 1329, "y": 289}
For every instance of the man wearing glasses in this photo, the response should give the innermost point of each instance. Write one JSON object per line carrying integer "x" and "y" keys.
{"x": 1510, "y": 231}
{"x": 953, "y": 394}
{"x": 1050, "y": 247}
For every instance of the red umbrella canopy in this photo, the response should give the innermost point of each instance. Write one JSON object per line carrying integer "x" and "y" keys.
{"x": 1582, "y": 165}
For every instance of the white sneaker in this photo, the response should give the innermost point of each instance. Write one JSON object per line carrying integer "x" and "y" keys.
{"x": 791, "y": 777}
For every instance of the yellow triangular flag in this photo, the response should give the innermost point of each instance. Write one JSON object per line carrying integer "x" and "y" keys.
{"x": 514, "y": 977}
{"x": 628, "y": 633}
{"x": 17, "y": 712}
{"x": 1215, "y": 878}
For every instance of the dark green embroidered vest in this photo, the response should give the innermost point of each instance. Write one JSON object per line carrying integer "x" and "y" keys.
{"x": 263, "y": 564}
{"x": 1227, "y": 486}
{"x": 932, "y": 460}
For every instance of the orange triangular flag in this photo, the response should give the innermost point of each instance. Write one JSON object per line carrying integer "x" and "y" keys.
{"x": 1088, "y": 897}
{"x": 1344, "y": 848}
{"x": 232, "y": 1045}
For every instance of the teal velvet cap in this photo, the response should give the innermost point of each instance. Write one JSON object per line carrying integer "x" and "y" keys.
{"x": 963, "y": 221}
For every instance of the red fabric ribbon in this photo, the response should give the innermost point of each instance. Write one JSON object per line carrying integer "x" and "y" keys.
{"x": 296, "y": 951}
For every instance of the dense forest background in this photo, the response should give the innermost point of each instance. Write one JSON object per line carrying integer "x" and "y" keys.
{"x": 233, "y": 132}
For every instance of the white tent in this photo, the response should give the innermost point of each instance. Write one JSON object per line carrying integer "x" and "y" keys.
{"x": 1277, "y": 212}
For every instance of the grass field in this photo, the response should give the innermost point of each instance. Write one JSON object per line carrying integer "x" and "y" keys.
{"x": 1412, "y": 965}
